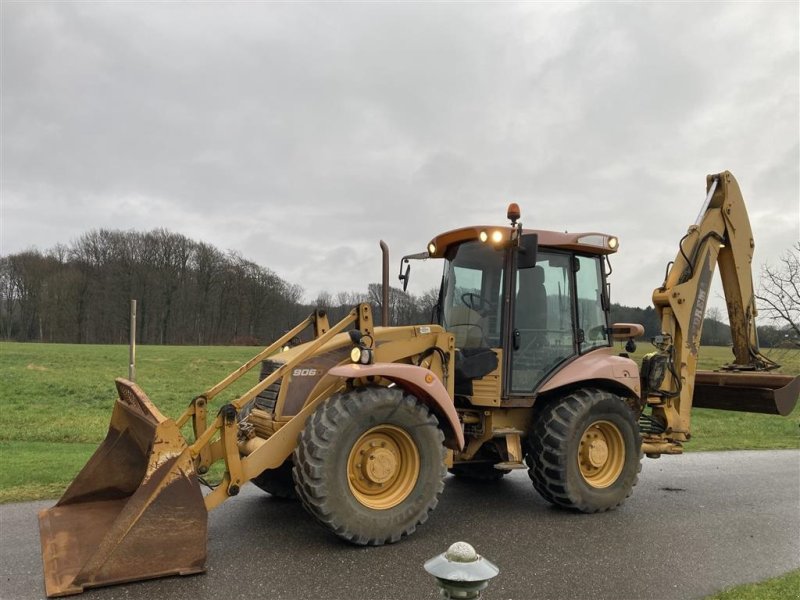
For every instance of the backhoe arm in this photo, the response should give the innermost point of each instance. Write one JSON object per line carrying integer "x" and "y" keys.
{"x": 720, "y": 236}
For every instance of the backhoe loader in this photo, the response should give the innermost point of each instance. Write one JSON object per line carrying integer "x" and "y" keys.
{"x": 518, "y": 370}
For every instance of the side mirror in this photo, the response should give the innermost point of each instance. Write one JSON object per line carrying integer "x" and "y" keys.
{"x": 528, "y": 245}
{"x": 624, "y": 331}
{"x": 405, "y": 274}
{"x": 629, "y": 331}
{"x": 404, "y": 277}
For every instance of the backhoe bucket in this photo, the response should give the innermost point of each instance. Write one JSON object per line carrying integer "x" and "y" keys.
{"x": 758, "y": 392}
{"x": 135, "y": 511}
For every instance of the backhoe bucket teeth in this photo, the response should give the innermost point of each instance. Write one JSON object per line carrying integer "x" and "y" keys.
{"x": 135, "y": 511}
{"x": 758, "y": 392}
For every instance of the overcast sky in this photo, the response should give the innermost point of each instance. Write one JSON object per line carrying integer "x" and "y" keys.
{"x": 301, "y": 134}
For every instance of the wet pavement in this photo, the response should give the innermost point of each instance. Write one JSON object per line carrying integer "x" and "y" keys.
{"x": 695, "y": 524}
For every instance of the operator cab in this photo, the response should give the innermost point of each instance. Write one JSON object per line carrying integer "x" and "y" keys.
{"x": 521, "y": 302}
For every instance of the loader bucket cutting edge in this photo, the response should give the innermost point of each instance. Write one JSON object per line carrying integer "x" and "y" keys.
{"x": 758, "y": 392}
{"x": 135, "y": 511}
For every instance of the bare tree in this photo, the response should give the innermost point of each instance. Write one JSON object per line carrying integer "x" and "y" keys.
{"x": 715, "y": 332}
{"x": 186, "y": 292}
{"x": 8, "y": 299}
{"x": 779, "y": 297}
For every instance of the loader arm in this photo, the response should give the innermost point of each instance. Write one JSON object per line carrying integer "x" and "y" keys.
{"x": 135, "y": 511}
{"x": 721, "y": 236}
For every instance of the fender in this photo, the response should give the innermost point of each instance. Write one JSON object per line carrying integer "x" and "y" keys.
{"x": 600, "y": 364}
{"x": 422, "y": 383}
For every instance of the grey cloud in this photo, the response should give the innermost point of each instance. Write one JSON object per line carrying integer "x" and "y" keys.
{"x": 299, "y": 135}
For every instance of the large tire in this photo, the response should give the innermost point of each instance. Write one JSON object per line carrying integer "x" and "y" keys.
{"x": 277, "y": 482}
{"x": 585, "y": 451}
{"x": 369, "y": 465}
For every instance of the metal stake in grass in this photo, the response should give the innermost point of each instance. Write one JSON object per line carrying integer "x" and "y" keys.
{"x": 132, "y": 356}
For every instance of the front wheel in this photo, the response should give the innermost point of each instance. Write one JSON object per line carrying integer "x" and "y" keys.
{"x": 585, "y": 451}
{"x": 369, "y": 465}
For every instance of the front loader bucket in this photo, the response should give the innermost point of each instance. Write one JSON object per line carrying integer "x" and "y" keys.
{"x": 757, "y": 391}
{"x": 135, "y": 511}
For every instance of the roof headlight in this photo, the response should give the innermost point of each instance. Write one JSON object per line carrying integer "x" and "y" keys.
{"x": 483, "y": 236}
{"x": 497, "y": 236}
{"x": 431, "y": 248}
{"x": 600, "y": 240}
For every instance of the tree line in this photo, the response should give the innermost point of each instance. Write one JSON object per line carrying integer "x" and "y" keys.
{"x": 190, "y": 292}
{"x": 777, "y": 334}
{"x": 187, "y": 293}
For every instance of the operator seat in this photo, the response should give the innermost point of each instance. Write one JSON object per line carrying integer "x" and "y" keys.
{"x": 530, "y": 323}
{"x": 531, "y": 308}
{"x": 474, "y": 358}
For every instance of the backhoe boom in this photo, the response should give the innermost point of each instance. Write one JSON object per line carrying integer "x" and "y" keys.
{"x": 722, "y": 237}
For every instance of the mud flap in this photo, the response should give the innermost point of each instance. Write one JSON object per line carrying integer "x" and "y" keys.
{"x": 758, "y": 392}
{"x": 135, "y": 511}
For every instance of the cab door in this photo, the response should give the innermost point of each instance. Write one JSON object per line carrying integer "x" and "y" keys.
{"x": 543, "y": 322}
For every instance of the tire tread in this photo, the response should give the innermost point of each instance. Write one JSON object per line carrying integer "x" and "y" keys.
{"x": 316, "y": 442}
{"x": 549, "y": 440}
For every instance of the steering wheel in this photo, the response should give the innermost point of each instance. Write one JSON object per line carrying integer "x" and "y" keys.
{"x": 478, "y": 303}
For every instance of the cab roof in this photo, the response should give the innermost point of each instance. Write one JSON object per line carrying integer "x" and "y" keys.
{"x": 590, "y": 242}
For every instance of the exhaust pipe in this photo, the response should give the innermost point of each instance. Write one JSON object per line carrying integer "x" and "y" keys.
{"x": 385, "y": 285}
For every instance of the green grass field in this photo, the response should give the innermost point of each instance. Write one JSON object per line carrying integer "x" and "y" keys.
{"x": 780, "y": 588}
{"x": 56, "y": 401}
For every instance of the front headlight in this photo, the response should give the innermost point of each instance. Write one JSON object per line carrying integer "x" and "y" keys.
{"x": 361, "y": 355}
{"x": 355, "y": 354}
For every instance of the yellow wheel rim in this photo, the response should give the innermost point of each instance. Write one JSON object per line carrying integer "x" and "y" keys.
{"x": 601, "y": 454}
{"x": 383, "y": 467}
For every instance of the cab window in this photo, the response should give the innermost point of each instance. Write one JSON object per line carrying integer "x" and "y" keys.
{"x": 592, "y": 323}
{"x": 472, "y": 295}
{"x": 543, "y": 319}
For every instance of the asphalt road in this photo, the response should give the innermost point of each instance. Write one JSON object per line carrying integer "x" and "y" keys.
{"x": 695, "y": 524}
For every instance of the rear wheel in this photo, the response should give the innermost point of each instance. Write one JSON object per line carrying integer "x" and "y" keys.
{"x": 369, "y": 465}
{"x": 585, "y": 451}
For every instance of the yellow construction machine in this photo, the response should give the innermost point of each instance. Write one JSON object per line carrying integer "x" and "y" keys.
{"x": 518, "y": 370}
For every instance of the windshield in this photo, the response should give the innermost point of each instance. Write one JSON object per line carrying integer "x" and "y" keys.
{"x": 472, "y": 290}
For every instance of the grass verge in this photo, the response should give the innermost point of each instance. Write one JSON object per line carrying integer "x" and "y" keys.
{"x": 785, "y": 587}
{"x": 56, "y": 401}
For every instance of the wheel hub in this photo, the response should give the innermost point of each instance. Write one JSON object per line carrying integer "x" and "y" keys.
{"x": 598, "y": 453}
{"x": 601, "y": 454}
{"x": 383, "y": 467}
{"x": 380, "y": 465}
